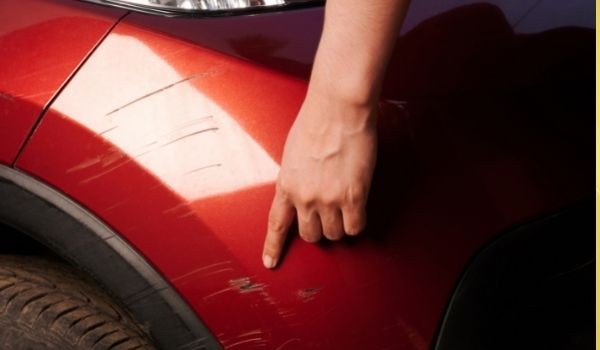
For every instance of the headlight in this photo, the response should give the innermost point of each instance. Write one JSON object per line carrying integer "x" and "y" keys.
{"x": 201, "y": 8}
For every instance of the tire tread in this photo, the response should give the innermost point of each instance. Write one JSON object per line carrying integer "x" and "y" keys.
{"x": 46, "y": 304}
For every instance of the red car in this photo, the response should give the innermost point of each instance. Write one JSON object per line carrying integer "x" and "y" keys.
{"x": 140, "y": 141}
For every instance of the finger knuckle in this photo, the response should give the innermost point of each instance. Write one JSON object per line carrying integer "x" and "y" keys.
{"x": 283, "y": 191}
{"x": 329, "y": 199}
{"x": 276, "y": 225}
{"x": 310, "y": 238}
{"x": 305, "y": 199}
{"x": 355, "y": 196}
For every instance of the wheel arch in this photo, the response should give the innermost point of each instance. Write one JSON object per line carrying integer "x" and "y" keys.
{"x": 75, "y": 234}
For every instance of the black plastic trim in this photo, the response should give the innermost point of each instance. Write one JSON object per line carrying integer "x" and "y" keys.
{"x": 75, "y": 234}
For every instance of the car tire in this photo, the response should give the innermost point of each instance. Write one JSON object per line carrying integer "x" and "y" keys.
{"x": 47, "y": 304}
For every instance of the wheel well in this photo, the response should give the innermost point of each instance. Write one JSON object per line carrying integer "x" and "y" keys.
{"x": 13, "y": 241}
{"x": 38, "y": 219}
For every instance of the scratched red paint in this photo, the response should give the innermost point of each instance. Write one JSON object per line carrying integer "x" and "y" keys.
{"x": 447, "y": 182}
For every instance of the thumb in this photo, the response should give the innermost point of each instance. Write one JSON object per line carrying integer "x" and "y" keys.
{"x": 281, "y": 217}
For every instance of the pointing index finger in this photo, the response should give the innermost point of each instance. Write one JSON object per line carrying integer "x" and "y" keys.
{"x": 281, "y": 217}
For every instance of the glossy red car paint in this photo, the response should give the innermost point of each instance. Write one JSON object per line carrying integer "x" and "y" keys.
{"x": 41, "y": 44}
{"x": 177, "y": 146}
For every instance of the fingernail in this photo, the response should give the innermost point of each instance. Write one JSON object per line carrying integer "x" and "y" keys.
{"x": 269, "y": 262}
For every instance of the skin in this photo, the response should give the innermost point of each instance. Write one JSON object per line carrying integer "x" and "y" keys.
{"x": 330, "y": 151}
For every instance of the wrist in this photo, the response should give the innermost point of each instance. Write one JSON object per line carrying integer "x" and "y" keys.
{"x": 326, "y": 106}
{"x": 347, "y": 91}
{"x": 356, "y": 79}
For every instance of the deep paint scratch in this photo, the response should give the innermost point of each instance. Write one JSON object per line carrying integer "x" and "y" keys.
{"x": 191, "y": 134}
{"x": 191, "y": 77}
{"x": 107, "y": 130}
{"x": 245, "y": 285}
{"x": 216, "y": 165}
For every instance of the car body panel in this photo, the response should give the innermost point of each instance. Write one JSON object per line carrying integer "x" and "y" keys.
{"x": 176, "y": 147}
{"x": 41, "y": 44}
{"x": 287, "y": 41}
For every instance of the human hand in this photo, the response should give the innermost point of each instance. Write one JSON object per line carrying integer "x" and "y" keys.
{"x": 326, "y": 172}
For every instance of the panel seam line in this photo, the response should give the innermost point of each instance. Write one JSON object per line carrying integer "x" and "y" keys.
{"x": 48, "y": 104}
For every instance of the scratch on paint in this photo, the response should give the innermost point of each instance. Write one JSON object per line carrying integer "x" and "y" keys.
{"x": 175, "y": 208}
{"x": 152, "y": 143}
{"x": 253, "y": 336}
{"x": 242, "y": 285}
{"x": 181, "y": 210}
{"x": 111, "y": 158}
{"x": 115, "y": 205}
{"x": 218, "y": 271}
{"x": 204, "y": 268}
{"x": 104, "y": 161}
{"x": 188, "y": 214}
{"x": 308, "y": 294}
{"x": 101, "y": 174}
{"x": 85, "y": 164}
{"x": 286, "y": 343}
{"x": 245, "y": 285}
{"x": 258, "y": 341}
{"x": 190, "y": 134}
{"x": 254, "y": 332}
{"x": 286, "y": 313}
{"x": 107, "y": 130}
{"x": 216, "y": 165}
{"x": 228, "y": 289}
{"x": 142, "y": 154}
{"x": 191, "y": 77}
{"x": 165, "y": 139}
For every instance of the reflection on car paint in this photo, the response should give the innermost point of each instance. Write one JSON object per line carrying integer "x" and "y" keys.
{"x": 173, "y": 130}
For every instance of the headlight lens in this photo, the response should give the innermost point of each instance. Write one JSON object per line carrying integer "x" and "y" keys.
{"x": 207, "y": 7}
